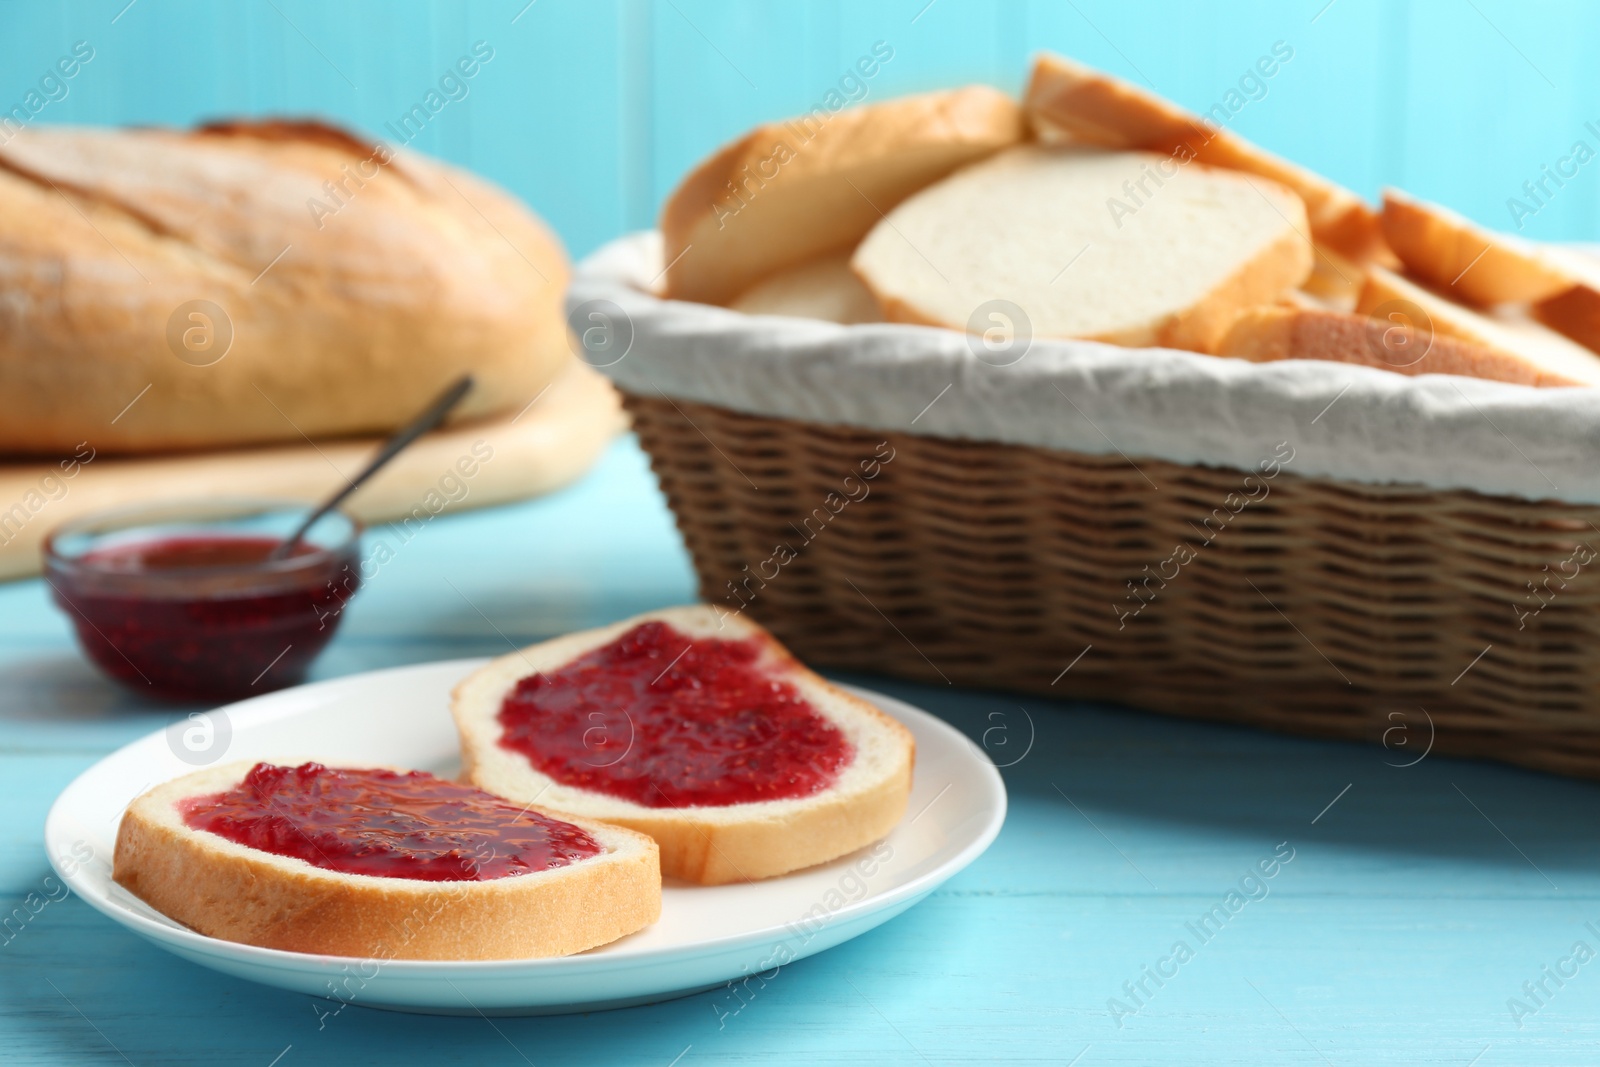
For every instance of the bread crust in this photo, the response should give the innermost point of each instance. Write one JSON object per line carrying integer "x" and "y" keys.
{"x": 790, "y": 191}
{"x": 349, "y": 309}
{"x": 710, "y": 845}
{"x": 1466, "y": 260}
{"x": 1574, "y": 314}
{"x": 1268, "y": 334}
{"x": 1067, "y": 100}
{"x": 235, "y": 893}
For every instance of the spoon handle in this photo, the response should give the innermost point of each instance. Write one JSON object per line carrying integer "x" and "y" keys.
{"x": 427, "y": 420}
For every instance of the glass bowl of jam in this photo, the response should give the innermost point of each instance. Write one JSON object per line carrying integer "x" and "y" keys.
{"x": 179, "y": 601}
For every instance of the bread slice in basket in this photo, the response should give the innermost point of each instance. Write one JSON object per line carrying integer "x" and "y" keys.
{"x": 1126, "y": 247}
{"x": 822, "y": 288}
{"x": 237, "y": 892}
{"x": 1268, "y": 334}
{"x": 1469, "y": 261}
{"x": 789, "y": 191}
{"x": 1069, "y": 101}
{"x": 1575, "y": 314}
{"x": 697, "y": 728}
{"x": 1394, "y": 298}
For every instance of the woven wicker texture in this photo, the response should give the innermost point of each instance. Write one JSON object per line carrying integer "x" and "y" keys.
{"x": 1394, "y": 615}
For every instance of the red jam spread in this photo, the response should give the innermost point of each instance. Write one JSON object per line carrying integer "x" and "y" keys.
{"x": 191, "y": 551}
{"x": 669, "y": 721}
{"x": 389, "y": 824}
{"x": 205, "y": 616}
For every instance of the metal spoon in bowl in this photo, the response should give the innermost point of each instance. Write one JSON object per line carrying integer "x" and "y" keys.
{"x": 427, "y": 420}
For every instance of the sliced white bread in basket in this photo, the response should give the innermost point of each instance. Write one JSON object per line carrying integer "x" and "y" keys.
{"x": 237, "y": 892}
{"x": 1396, "y": 299}
{"x": 681, "y": 739}
{"x": 1268, "y": 334}
{"x": 789, "y": 191}
{"x": 1468, "y": 261}
{"x": 1067, "y": 101}
{"x": 822, "y": 288}
{"x": 1125, "y": 247}
{"x": 1335, "y": 281}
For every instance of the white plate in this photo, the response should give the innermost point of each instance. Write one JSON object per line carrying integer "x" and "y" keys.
{"x": 706, "y": 935}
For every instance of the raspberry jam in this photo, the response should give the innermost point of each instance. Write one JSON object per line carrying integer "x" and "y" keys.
{"x": 667, "y": 721}
{"x": 201, "y": 614}
{"x": 388, "y": 824}
{"x": 195, "y": 551}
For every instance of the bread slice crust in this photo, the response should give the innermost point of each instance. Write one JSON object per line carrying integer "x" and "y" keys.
{"x": 1069, "y": 101}
{"x": 1575, "y": 314}
{"x": 790, "y": 191}
{"x": 1466, "y": 260}
{"x": 710, "y": 845}
{"x": 236, "y": 893}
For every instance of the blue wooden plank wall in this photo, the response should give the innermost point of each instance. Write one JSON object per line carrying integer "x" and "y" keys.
{"x": 591, "y": 109}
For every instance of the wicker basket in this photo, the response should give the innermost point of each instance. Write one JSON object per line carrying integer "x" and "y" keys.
{"x": 1326, "y": 607}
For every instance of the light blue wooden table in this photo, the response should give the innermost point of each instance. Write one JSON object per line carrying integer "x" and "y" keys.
{"x": 1417, "y": 903}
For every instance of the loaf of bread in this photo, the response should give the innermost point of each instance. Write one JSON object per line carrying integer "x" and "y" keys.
{"x": 704, "y": 842}
{"x": 257, "y": 282}
{"x": 1125, "y": 247}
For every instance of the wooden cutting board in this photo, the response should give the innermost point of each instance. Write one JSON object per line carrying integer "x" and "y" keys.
{"x": 545, "y": 446}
